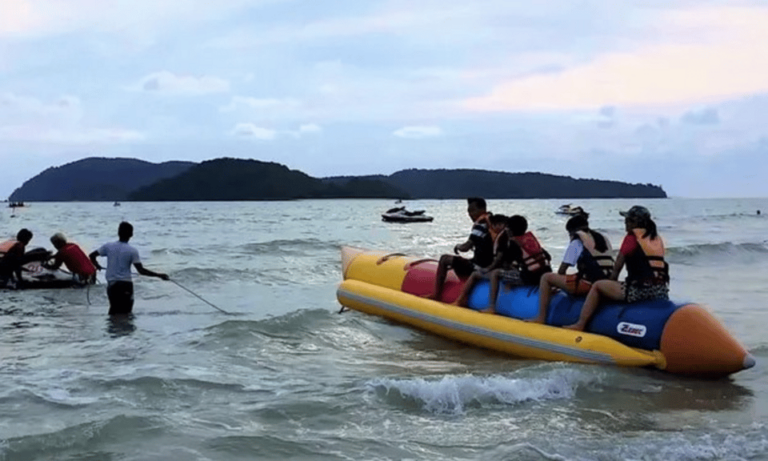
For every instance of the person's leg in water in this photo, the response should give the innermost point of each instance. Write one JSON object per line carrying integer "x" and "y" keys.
{"x": 548, "y": 281}
{"x": 467, "y": 289}
{"x": 120, "y": 296}
{"x": 610, "y": 289}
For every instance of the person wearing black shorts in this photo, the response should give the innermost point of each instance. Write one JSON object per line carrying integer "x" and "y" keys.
{"x": 479, "y": 240}
{"x": 120, "y": 257}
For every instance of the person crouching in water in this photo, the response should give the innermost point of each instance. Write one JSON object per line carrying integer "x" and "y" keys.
{"x": 480, "y": 240}
{"x": 588, "y": 252}
{"x": 13, "y": 259}
{"x": 73, "y": 257}
{"x": 647, "y": 273}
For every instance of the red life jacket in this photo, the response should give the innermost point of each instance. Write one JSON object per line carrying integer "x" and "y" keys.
{"x": 534, "y": 256}
{"x": 75, "y": 260}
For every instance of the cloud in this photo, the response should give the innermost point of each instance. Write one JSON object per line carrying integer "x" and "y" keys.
{"x": 249, "y": 103}
{"x": 15, "y": 108}
{"x": 60, "y": 121}
{"x": 716, "y": 63}
{"x": 72, "y": 136}
{"x": 709, "y": 116}
{"x": 309, "y": 128}
{"x": 418, "y": 132}
{"x": 170, "y": 83}
{"x": 31, "y": 19}
{"x": 251, "y": 131}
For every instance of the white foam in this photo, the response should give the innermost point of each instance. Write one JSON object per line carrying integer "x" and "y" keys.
{"x": 451, "y": 394}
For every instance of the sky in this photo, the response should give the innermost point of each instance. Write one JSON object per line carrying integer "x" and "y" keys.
{"x": 670, "y": 92}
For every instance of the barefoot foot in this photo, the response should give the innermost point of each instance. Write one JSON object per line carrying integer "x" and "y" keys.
{"x": 575, "y": 327}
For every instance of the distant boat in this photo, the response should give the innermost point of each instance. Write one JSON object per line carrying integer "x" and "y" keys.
{"x": 116, "y": 204}
{"x": 568, "y": 210}
{"x": 400, "y": 214}
{"x": 16, "y": 204}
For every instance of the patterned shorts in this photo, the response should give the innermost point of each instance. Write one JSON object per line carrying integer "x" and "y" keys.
{"x": 634, "y": 292}
{"x": 510, "y": 277}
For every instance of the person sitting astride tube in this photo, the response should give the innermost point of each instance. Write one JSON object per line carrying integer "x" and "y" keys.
{"x": 588, "y": 252}
{"x": 500, "y": 268}
{"x": 534, "y": 260}
{"x": 13, "y": 260}
{"x": 647, "y": 272}
{"x": 480, "y": 240}
{"x": 74, "y": 258}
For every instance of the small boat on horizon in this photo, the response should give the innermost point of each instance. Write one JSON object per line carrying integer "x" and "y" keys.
{"x": 401, "y": 215}
{"x": 569, "y": 210}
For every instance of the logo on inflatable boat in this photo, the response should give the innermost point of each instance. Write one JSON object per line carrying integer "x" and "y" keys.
{"x": 631, "y": 329}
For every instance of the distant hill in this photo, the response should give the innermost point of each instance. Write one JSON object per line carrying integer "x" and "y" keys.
{"x": 119, "y": 179}
{"x": 96, "y": 179}
{"x": 235, "y": 179}
{"x": 452, "y": 184}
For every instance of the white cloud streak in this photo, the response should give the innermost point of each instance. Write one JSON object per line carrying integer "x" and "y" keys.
{"x": 418, "y": 132}
{"x": 165, "y": 82}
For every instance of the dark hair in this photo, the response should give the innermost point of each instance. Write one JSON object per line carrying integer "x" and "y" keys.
{"x": 650, "y": 228}
{"x": 517, "y": 224}
{"x": 498, "y": 219}
{"x": 125, "y": 229}
{"x": 478, "y": 201}
{"x": 581, "y": 222}
{"x": 24, "y": 235}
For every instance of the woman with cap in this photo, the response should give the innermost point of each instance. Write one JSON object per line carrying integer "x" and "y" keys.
{"x": 588, "y": 252}
{"x": 647, "y": 273}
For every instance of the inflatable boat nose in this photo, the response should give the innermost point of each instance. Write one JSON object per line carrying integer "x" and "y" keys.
{"x": 749, "y": 361}
{"x": 694, "y": 342}
{"x": 347, "y": 255}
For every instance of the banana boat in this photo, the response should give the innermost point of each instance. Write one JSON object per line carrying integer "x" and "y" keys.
{"x": 680, "y": 338}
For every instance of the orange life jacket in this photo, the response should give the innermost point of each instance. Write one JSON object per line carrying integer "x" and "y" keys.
{"x": 7, "y": 245}
{"x": 534, "y": 256}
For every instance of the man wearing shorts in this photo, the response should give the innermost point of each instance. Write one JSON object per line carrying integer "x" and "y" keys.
{"x": 120, "y": 257}
{"x": 479, "y": 240}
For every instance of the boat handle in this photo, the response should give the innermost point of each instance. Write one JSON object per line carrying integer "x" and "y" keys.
{"x": 385, "y": 258}
{"x": 418, "y": 261}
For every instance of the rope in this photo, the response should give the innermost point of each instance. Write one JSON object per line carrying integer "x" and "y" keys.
{"x": 198, "y": 296}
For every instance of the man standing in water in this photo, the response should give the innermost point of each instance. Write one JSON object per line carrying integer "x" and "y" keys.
{"x": 120, "y": 256}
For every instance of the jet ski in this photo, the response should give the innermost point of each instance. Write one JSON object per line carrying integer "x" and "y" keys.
{"x": 400, "y": 214}
{"x": 568, "y": 210}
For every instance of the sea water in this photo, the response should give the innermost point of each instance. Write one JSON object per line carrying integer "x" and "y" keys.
{"x": 288, "y": 377}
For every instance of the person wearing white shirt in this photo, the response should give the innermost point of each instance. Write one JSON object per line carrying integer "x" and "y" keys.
{"x": 120, "y": 257}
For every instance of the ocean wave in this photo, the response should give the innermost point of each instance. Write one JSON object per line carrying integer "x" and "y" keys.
{"x": 295, "y": 247}
{"x": 717, "y": 252}
{"x": 70, "y": 442}
{"x": 737, "y": 443}
{"x": 291, "y": 325}
{"x": 452, "y": 394}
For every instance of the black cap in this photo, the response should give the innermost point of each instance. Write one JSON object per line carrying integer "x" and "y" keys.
{"x": 637, "y": 212}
